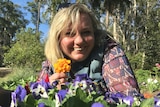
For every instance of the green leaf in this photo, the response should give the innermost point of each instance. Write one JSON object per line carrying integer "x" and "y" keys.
{"x": 47, "y": 102}
{"x": 51, "y": 93}
{"x": 122, "y": 105}
{"x": 29, "y": 99}
{"x": 75, "y": 101}
{"x": 147, "y": 103}
{"x": 81, "y": 94}
{"x": 100, "y": 98}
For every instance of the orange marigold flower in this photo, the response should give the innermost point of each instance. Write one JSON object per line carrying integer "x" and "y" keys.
{"x": 62, "y": 65}
{"x": 148, "y": 95}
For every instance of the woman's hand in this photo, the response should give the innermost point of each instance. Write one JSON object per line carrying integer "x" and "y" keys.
{"x": 60, "y": 77}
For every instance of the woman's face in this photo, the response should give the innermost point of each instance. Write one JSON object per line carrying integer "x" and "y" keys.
{"x": 79, "y": 44}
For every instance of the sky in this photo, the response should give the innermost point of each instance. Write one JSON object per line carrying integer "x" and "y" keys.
{"x": 43, "y": 27}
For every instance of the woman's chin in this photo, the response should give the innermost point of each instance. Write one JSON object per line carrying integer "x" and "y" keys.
{"x": 79, "y": 58}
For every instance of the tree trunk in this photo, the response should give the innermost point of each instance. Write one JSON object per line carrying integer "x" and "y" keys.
{"x": 38, "y": 16}
{"x": 143, "y": 59}
{"x": 136, "y": 36}
{"x": 38, "y": 20}
{"x": 107, "y": 19}
{"x": 115, "y": 35}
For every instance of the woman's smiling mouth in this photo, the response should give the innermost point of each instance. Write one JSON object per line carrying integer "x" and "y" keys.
{"x": 78, "y": 49}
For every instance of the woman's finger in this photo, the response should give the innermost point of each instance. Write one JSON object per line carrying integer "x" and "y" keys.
{"x": 57, "y": 77}
{"x": 62, "y": 80}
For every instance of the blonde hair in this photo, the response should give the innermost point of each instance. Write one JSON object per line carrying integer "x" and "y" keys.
{"x": 64, "y": 18}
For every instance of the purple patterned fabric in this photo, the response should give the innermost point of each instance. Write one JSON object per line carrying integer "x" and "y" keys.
{"x": 46, "y": 70}
{"x": 117, "y": 72}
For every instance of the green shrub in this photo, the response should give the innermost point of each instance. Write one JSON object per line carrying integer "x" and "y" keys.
{"x": 27, "y": 51}
{"x": 142, "y": 75}
{"x": 147, "y": 81}
{"x": 135, "y": 60}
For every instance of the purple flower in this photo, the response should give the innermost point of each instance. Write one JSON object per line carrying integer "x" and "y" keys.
{"x": 35, "y": 93}
{"x": 81, "y": 81}
{"x": 117, "y": 97}
{"x": 41, "y": 105}
{"x": 82, "y": 84}
{"x": 156, "y": 102}
{"x": 14, "y": 100}
{"x": 97, "y": 105}
{"x": 39, "y": 89}
{"x": 128, "y": 100}
{"x": 108, "y": 98}
{"x": 61, "y": 94}
{"x": 80, "y": 77}
{"x": 44, "y": 84}
{"x": 20, "y": 93}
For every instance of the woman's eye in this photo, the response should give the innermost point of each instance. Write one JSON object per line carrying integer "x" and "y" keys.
{"x": 68, "y": 33}
{"x": 86, "y": 33}
{"x": 72, "y": 34}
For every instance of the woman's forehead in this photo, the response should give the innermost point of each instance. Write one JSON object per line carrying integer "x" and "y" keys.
{"x": 77, "y": 20}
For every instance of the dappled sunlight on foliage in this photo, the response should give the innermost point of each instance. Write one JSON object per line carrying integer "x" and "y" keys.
{"x": 27, "y": 51}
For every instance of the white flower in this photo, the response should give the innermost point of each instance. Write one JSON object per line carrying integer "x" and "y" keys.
{"x": 57, "y": 100}
{"x": 137, "y": 102}
{"x": 14, "y": 100}
{"x": 158, "y": 103}
{"x": 82, "y": 84}
{"x": 155, "y": 81}
{"x": 40, "y": 90}
{"x": 149, "y": 80}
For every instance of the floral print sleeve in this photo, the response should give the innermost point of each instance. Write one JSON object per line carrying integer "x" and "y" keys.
{"x": 46, "y": 70}
{"x": 117, "y": 72}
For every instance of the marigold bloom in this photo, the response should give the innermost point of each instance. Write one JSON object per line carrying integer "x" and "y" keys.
{"x": 148, "y": 95}
{"x": 62, "y": 65}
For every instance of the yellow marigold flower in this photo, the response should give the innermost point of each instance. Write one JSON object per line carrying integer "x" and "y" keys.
{"x": 62, "y": 65}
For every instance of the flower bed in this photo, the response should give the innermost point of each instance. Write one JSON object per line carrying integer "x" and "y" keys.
{"x": 80, "y": 92}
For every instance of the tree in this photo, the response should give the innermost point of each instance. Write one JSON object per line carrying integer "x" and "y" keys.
{"x": 144, "y": 31}
{"x": 27, "y": 51}
{"x": 152, "y": 44}
{"x": 11, "y": 20}
{"x": 112, "y": 9}
{"x": 34, "y": 8}
{"x": 51, "y": 9}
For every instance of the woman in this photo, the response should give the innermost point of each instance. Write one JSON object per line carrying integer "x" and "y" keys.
{"x": 76, "y": 34}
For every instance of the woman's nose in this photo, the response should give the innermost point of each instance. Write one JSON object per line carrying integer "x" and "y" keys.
{"x": 79, "y": 39}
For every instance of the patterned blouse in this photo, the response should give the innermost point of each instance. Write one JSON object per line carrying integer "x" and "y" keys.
{"x": 115, "y": 70}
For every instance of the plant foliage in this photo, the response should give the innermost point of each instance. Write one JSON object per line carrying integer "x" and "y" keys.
{"x": 27, "y": 51}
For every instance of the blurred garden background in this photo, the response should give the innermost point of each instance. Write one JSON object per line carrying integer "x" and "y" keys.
{"x": 133, "y": 23}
